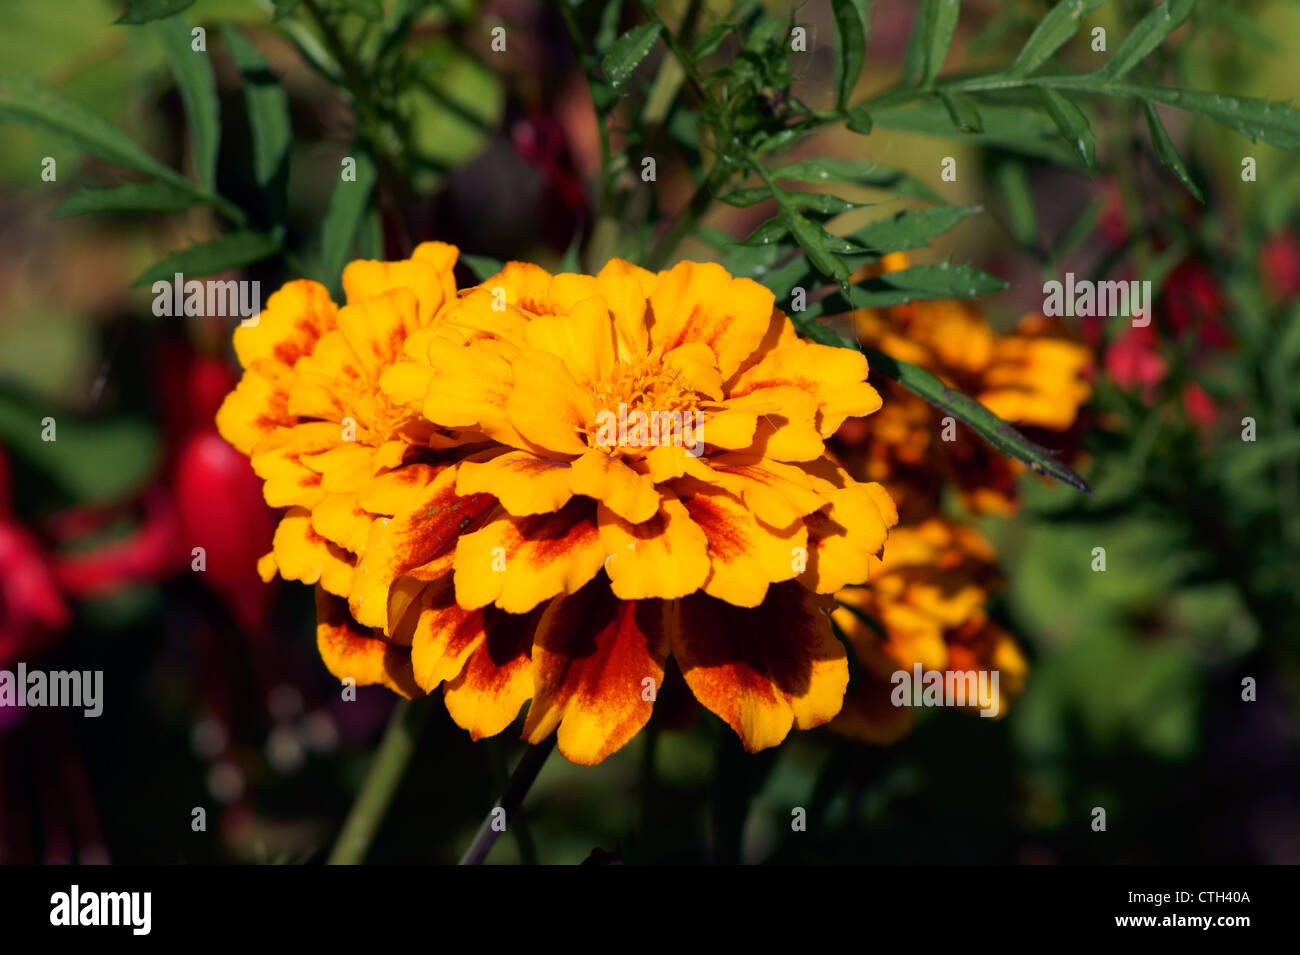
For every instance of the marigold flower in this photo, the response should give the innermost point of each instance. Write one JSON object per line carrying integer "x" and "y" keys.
{"x": 1036, "y": 378}
{"x": 515, "y": 443}
{"x": 925, "y": 605}
{"x": 319, "y": 432}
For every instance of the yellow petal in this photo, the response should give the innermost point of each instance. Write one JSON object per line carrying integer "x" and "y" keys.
{"x": 611, "y": 481}
{"x": 523, "y": 483}
{"x": 664, "y": 557}
{"x": 517, "y": 562}
{"x": 583, "y": 339}
{"x": 597, "y": 664}
{"x": 294, "y": 319}
{"x": 700, "y": 302}
{"x": 744, "y": 554}
{"x": 765, "y": 669}
{"x": 547, "y": 406}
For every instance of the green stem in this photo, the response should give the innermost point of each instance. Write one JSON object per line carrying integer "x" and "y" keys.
{"x": 382, "y": 779}
{"x": 525, "y": 774}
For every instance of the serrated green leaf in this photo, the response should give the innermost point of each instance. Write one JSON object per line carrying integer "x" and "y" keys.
{"x": 1052, "y": 32}
{"x": 1167, "y": 152}
{"x": 228, "y": 252}
{"x": 1149, "y": 33}
{"x": 963, "y": 113}
{"x": 770, "y": 231}
{"x": 347, "y": 206}
{"x": 628, "y": 51}
{"x": 927, "y": 48}
{"x": 267, "y": 104}
{"x": 1072, "y": 123}
{"x": 35, "y": 104}
{"x": 144, "y": 11}
{"x": 128, "y": 197}
{"x": 198, "y": 91}
{"x": 911, "y": 228}
{"x": 1275, "y": 123}
{"x": 851, "y": 19}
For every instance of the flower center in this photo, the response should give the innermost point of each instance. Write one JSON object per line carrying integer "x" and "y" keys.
{"x": 643, "y": 405}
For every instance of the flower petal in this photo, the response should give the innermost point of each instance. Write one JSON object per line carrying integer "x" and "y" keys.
{"x": 664, "y": 557}
{"x": 547, "y": 405}
{"x": 701, "y": 302}
{"x": 417, "y": 541}
{"x": 523, "y": 483}
{"x": 497, "y": 678}
{"x": 844, "y": 535}
{"x": 592, "y": 657}
{"x": 744, "y": 554}
{"x": 353, "y": 652}
{"x": 293, "y": 321}
{"x": 611, "y": 481}
{"x": 517, "y": 562}
{"x": 765, "y": 669}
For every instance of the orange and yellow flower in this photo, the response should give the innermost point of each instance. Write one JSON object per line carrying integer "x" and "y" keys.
{"x": 926, "y": 605}
{"x": 478, "y": 529}
{"x": 1036, "y": 378}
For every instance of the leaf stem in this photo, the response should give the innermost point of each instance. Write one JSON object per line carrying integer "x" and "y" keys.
{"x": 382, "y": 779}
{"x": 525, "y": 774}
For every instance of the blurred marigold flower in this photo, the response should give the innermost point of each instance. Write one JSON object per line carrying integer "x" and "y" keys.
{"x": 1036, "y": 378}
{"x": 925, "y": 605}
{"x": 459, "y": 537}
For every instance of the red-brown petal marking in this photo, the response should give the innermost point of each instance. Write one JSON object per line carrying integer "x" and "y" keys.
{"x": 592, "y": 656}
{"x": 765, "y": 669}
{"x": 445, "y": 635}
{"x": 498, "y": 676}
{"x": 360, "y": 653}
{"x": 418, "y": 543}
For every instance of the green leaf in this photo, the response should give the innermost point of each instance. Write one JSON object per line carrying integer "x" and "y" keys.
{"x": 998, "y": 433}
{"x": 35, "y": 104}
{"x": 1061, "y": 23}
{"x": 710, "y": 40}
{"x": 858, "y": 119}
{"x": 1072, "y": 123}
{"x": 348, "y": 203}
{"x": 856, "y": 172}
{"x": 128, "y": 197}
{"x": 851, "y": 19}
{"x": 1015, "y": 128}
{"x": 1013, "y": 178}
{"x": 963, "y": 112}
{"x": 1146, "y": 36}
{"x": 911, "y": 229}
{"x": 268, "y": 107}
{"x": 917, "y": 283}
{"x": 92, "y": 460}
{"x": 1167, "y": 152}
{"x": 819, "y": 202}
{"x": 628, "y": 51}
{"x": 198, "y": 91}
{"x": 1275, "y": 123}
{"x": 228, "y": 252}
{"x": 812, "y": 238}
{"x": 142, "y": 11}
{"x": 482, "y": 266}
{"x": 936, "y": 23}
